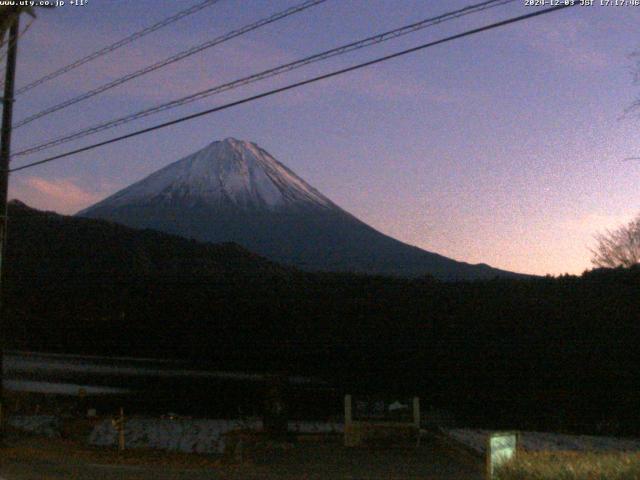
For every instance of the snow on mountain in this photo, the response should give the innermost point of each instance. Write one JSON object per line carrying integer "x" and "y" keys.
{"x": 225, "y": 172}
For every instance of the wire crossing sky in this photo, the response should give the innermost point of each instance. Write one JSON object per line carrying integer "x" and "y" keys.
{"x": 341, "y": 50}
{"x": 4, "y": 49}
{"x": 168, "y": 61}
{"x": 505, "y": 148}
{"x": 292, "y": 86}
{"x": 119, "y": 44}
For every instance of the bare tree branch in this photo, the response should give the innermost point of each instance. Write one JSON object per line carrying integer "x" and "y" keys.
{"x": 618, "y": 248}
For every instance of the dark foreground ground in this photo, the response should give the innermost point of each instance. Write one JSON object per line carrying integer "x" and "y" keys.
{"x": 29, "y": 458}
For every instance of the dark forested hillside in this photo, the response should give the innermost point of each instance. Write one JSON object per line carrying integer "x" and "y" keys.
{"x": 538, "y": 352}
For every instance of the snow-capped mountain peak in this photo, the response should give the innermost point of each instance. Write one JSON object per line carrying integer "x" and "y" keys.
{"x": 234, "y": 191}
{"x": 228, "y": 172}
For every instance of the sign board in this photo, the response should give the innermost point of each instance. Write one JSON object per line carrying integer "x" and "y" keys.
{"x": 382, "y": 409}
{"x": 501, "y": 447}
{"x": 366, "y": 417}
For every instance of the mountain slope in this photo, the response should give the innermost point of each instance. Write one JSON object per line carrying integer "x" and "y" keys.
{"x": 52, "y": 247}
{"x": 234, "y": 191}
{"x": 80, "y": 285}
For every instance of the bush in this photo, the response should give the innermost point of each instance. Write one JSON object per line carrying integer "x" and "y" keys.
{"x": 571, "y": 466}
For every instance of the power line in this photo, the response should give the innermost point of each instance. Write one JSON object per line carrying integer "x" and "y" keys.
{"x": 297, "y": 84}
{"x": 373, "y": 40}
{"x": 114, "y": 46}
{"x": 168, "y": 61}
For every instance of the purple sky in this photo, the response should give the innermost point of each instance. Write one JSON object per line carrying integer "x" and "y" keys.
{"x": 506, "y": 147}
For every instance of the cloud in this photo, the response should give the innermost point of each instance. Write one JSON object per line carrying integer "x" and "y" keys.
{"x": 370, "y": 85}
{"x": 396, "y": 87}
{"x": 564, "y": 41}
{"x": 212, "y": 67}
{"x": 595, "y": 222}
{"x": 62, "y": 195}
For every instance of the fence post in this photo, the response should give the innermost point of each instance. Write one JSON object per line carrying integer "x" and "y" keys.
{"x": 347, "y": 410}
{"x": 349, "y": 434}
{"x": 121, "y": 444}
{"x": 118, "y": 424}
{"x": 416, "y": 418}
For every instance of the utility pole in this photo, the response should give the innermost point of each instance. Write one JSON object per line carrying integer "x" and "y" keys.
{"x": 5, "y": 153}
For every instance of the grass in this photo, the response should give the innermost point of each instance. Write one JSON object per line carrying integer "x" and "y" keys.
{"x": 572, "y": 466}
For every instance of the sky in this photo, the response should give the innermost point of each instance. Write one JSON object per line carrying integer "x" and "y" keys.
{"x": 507, "y": 147}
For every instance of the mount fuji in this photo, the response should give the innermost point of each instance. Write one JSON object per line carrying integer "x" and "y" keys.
{"x": 234, "y": 191}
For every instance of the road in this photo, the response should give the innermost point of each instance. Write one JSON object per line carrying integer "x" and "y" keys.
{"x": 310, "y": 462}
